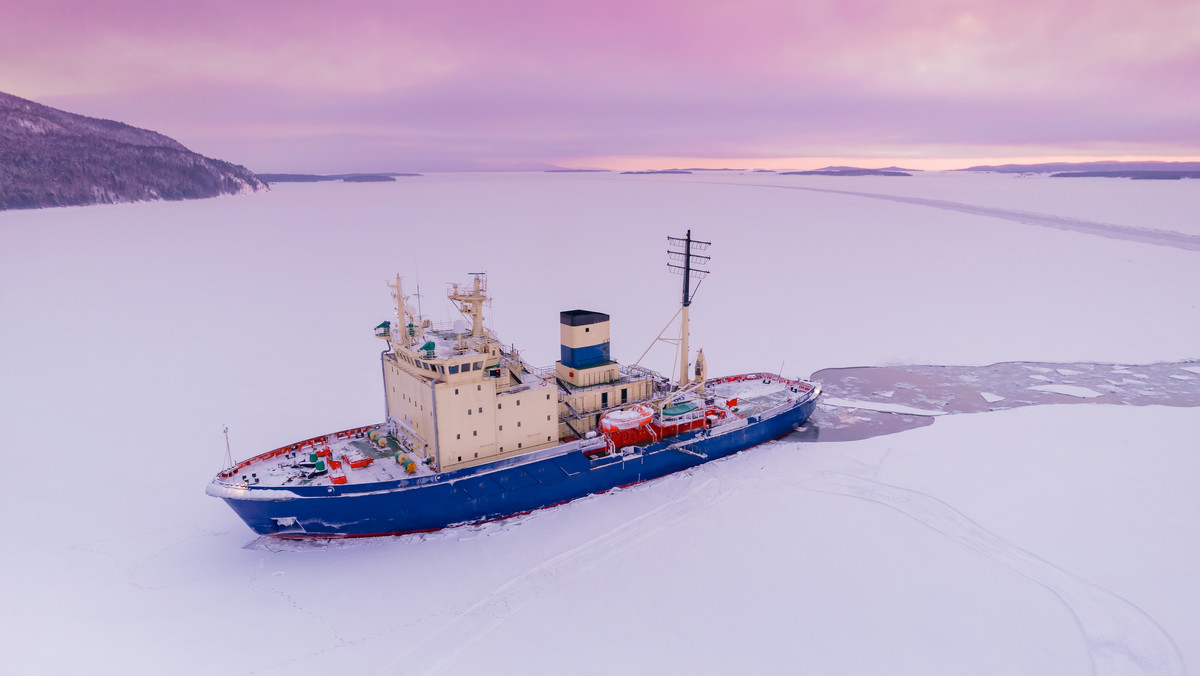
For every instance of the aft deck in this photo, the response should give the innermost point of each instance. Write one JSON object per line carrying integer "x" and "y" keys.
{"x": 755, "y": 393}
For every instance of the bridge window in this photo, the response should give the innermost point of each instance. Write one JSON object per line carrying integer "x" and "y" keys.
{"x": 454, "y": 369}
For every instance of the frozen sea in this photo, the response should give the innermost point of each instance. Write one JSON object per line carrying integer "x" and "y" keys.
{"x": 1046, "y": 528}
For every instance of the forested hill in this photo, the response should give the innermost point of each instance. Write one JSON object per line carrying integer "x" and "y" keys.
{"x": 49, "y": 158}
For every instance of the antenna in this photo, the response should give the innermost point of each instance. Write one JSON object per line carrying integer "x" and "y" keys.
{"x": 419, "y": 312}
{"x": 228, "y": 453}
{"x": 690, "y": 261}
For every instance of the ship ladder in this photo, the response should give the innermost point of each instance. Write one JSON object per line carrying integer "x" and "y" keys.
{"x": 684, "y": 449}
{"x": 572, "y": 428}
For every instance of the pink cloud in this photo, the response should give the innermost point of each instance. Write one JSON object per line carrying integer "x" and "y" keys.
{"x": 424, "y": 84}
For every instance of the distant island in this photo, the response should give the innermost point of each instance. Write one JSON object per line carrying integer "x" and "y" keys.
{"x": 1103, "y": 169}
{"x": 369, "y": 178}
{"x": 575, "y": 171}
{"x": 847, "y": 171}
{"x": 1158, "y": 175}
{"x": 52, "y": 158}
{"x": 317, "y": 178}
{"x": 658, "y": 171}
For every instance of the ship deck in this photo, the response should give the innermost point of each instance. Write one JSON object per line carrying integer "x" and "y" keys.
{"x": 755, "y": 393}
{"x": 742, "y": 396}
{"x": 290, "y": 465}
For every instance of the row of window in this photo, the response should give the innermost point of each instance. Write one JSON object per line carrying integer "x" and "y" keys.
{"x": 501, "y": 404}
{"x": 475, "y": 434}
{"x": 441, "y": 368}
{"x": 478, "y": 366}
{"x": 405, "y": 396}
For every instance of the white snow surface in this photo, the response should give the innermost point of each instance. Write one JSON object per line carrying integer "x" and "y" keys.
{"x": 1036, "y": 540}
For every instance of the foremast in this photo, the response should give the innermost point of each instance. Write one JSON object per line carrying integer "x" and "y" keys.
{"x": 409, "y": 330}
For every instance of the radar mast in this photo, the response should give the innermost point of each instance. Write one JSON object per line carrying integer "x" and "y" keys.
{"x": 681, "y": 251}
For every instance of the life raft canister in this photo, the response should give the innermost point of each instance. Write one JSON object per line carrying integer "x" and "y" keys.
{"x": 631, "y": 418}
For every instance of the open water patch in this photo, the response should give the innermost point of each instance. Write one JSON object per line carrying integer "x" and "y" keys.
{"x": 869, "y": 401}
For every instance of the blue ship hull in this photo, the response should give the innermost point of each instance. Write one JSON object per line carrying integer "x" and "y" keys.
{"x": 494, "y": 491}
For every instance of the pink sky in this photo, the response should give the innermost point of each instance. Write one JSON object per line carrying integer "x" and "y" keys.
{"x": 443, "y": 84}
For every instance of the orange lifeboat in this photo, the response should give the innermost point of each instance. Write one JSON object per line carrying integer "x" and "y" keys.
{"x": 630, "y": 426}
{"x": 631, "y": 418}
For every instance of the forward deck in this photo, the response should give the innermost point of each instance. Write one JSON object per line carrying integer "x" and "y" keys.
{"x": 350, "y": 454}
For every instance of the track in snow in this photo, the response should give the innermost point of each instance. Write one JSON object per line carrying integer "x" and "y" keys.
{"x": 437, "y": 653}
{"x": 1120, "y": 637}
{"x": 1129, "y": 233}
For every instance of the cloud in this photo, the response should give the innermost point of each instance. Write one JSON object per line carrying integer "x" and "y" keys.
{"x": 487, "y": 82}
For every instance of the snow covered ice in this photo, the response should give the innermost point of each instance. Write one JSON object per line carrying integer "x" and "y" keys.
{"x": 1024, "y": 530}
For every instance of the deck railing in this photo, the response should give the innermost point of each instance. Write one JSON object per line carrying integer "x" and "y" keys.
{"x": 344, "y": 434}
